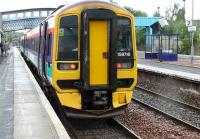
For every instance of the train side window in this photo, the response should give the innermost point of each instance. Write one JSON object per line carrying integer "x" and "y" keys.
{"x": 37, "y": 44}
{"x": 49, "y": 44}
{"x": 68, "y": 38}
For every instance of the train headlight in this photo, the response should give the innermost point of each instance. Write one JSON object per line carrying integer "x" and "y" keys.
{"x": 124, "y": 65}
{"x": 67, "y": 66}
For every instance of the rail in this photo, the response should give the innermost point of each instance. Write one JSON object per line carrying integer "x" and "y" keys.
{"x": 166, "y": 109}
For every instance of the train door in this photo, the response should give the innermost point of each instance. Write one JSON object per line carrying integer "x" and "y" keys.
{"x": 98, "y": 55}
{"x": 42, "y": 46}
{"x": 98, "y": 52}
{"x": 98, "y": 58}
{"x": 48, "y": 61}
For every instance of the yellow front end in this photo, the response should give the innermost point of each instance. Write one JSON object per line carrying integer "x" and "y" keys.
{"x": 98, "y": 63}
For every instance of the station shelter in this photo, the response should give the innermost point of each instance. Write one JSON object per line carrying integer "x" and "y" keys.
{"x": 158, "y": 46}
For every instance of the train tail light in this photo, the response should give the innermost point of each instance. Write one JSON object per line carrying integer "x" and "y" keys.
{"x": 67, "y": 66}
{"x": 119, "y": 65}
{"x": 124, "y": 65}
{"x": 72, "y": 66}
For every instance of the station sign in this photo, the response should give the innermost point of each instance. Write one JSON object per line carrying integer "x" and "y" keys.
{"x": 192, "y": 29}
{"x": 188, "y": 23}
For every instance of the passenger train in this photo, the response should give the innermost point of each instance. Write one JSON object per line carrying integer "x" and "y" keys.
{"x": 87, "y": 53}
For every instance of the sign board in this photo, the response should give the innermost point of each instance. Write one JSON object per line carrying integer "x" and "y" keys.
{"x": 192, "y": 29}
{"x": 61, "y": 32}
{"x": 188, "y": 23}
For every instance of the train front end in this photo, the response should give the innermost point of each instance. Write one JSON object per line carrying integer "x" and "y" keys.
{"x": 94, "y": 61}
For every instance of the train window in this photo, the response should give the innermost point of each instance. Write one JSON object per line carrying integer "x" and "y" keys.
{"x": 124, "y": 38}
{"x": 68, "y": 38}
{"x": 37, "y": 42}
{"x": 49, "y": 44}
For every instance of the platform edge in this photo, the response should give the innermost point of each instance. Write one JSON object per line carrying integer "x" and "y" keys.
{"x": 58, "y": 126}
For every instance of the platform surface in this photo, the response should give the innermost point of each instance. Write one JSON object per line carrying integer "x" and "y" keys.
{"x": 187, "y": 72}
{"x": 22, "y": 116}
{"x": 6, "y": 97}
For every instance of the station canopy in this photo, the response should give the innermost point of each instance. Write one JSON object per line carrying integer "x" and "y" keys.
{"x": 146, "y": 21}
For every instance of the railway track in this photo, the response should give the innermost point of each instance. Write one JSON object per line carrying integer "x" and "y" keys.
{"x": 90, "y": 128}
{"x": 179, "y": 111}
{"x": 169, "y": 99}
{"x": 99, "y": 129}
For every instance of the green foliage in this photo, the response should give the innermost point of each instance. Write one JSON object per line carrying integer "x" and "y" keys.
{"x": 140, "y": 39}
{"x": 11, "y": 37}
{"x": 173, "y": 13}
{"x": 135, "y": 12}
{"x": 112, "y": 1}
{"x": 180, "y": 16}
{"x": 156, "y": 14}
{"x": 175, "y": 16}
{"x": 185, "y": 47}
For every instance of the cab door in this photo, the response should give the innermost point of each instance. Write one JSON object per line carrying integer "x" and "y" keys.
{"x": 42, "y": 47}
{"x": 98, "y": 52}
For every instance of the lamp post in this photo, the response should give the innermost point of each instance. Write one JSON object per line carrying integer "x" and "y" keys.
{"x": 158, "y": 10}
{"x": 192, "y": 47}
{"x": 0, "y": 26}
{"x": 160, "y": 38}
{"x": 184, "y": 3}
{"x": 184, "y": 9}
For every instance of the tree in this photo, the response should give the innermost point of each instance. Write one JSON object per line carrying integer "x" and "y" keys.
{"x": 175, "y": 13}
{"x": 12, "y": 37}
{"x": 135, "y": 12}
{"x": 156, "y": 14}
{"x": 180, "y": 16}
{"x": 112, "y": 1}
{"x": 175, "y": 16}
{"x": 140, "y": 38}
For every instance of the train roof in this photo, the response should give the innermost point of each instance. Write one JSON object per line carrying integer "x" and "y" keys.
{"x": 66, "y": 7}
{"x": 63, "y": 8}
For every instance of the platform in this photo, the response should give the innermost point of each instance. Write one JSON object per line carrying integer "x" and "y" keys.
{"x": 180, "y": 71}
{"x": 24, "y": 111}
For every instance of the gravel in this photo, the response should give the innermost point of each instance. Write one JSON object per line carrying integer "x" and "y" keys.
{"x": 187, "y": 114}
{"x": 183, "y": 91}
{"x": 97, "y": 129}
{"x": 149, "y": 124}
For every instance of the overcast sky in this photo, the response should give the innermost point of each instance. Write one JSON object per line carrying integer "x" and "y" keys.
{"x": 149, "y": 6}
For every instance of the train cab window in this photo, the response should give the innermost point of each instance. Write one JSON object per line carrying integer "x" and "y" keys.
{"x": 124, "y": 38}
{"x": 68, "y": 39}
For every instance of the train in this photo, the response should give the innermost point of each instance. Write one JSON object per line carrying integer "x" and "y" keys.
{"x": 86, "y": 52}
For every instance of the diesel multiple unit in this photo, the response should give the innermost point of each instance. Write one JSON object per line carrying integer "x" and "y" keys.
{"x": 87, "y": 53}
